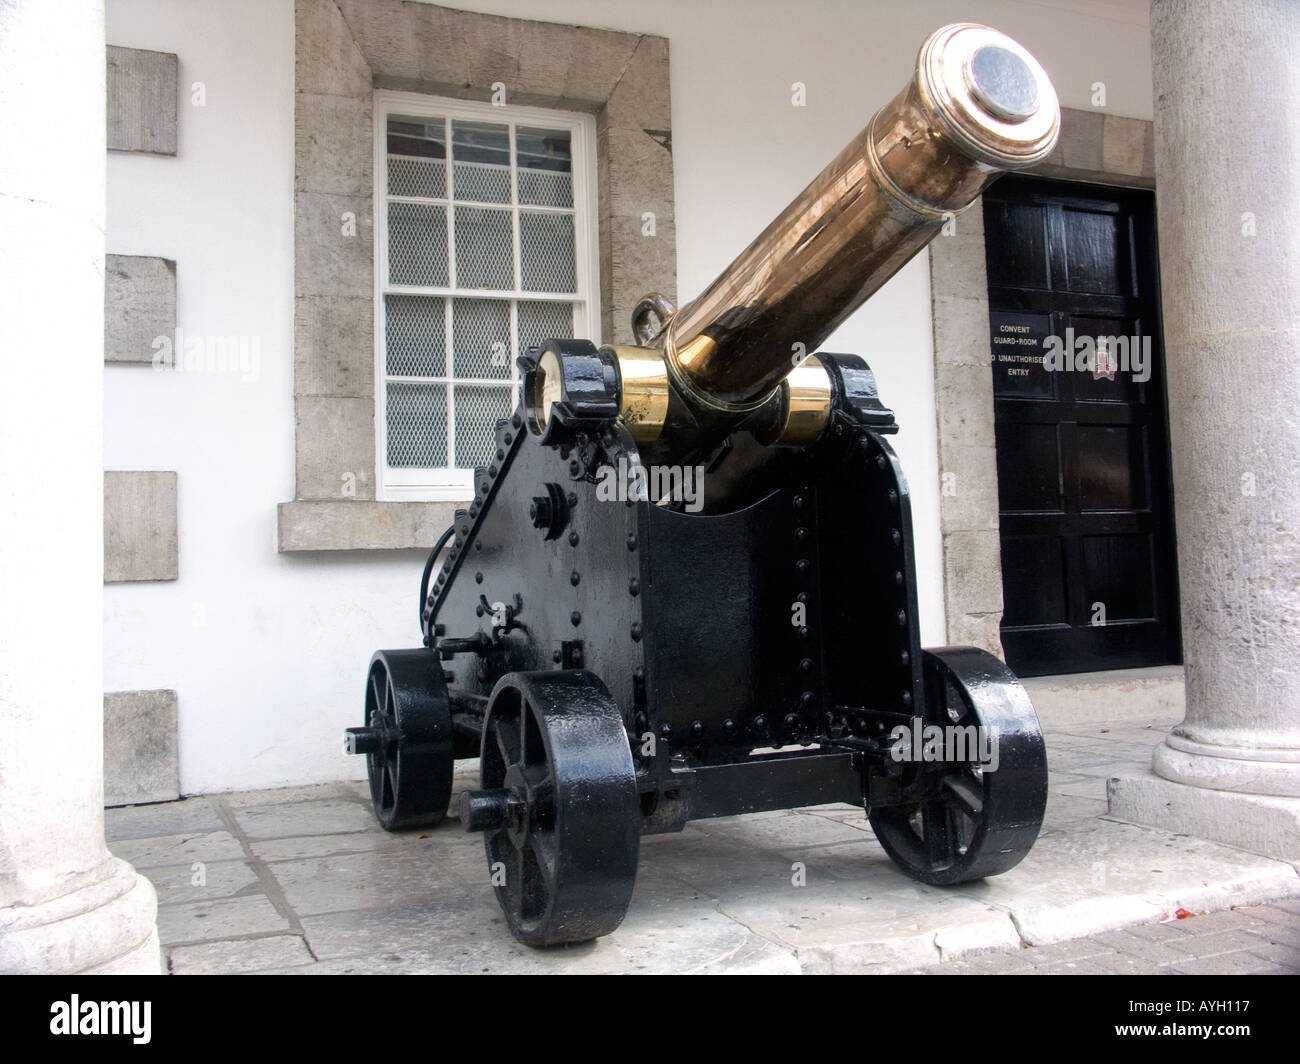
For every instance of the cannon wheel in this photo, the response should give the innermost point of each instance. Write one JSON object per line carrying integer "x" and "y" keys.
{"x": 980, "y": 822}
{"x": 563, "y": 863}
{"x": 410, "y": 764}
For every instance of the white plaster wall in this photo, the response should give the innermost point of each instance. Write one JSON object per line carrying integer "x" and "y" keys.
{"x": 268, "y": 651}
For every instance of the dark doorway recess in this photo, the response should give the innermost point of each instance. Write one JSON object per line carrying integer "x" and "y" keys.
{"x": 1089, "y": 575}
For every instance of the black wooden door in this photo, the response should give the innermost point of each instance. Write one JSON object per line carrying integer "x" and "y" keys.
{"x": 1088, "y": 566}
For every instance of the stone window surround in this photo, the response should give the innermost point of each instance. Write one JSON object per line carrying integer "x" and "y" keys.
{"x": 1094, "y": 147}
{"x": 344, "y": 50}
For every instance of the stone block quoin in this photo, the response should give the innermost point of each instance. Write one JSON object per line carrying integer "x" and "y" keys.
{"x": 140, "y": 747}
{"x": 139, "y": 306}
{"x": 142, "y": 92}
{"x": 140, "y": 540}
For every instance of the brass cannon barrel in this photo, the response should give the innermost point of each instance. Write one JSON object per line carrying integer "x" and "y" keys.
{"x": 977, "y": 105}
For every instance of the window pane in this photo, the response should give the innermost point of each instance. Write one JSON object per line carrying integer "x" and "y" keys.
{"x": 484, "y": 248}
{"x": 494, "y": 212}
{"x": 481, "y": 337}
{"x": 545, "y": 166}
{"x": 482, "y": 151}
{"x": 546, "y": 252}
{"x": 415, "y": 336}
{"x": 477, "y": 409}
{"x": 417, "y": 424}
{"x": 539, "y": 322}
{"x": 417, "y": 244}
{"x": 417, "y": 153}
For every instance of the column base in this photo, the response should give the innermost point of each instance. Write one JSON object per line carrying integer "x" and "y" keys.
{"x": 1246, "y": 770}
{"x": 106, "y": 927}
{"x": 1262, "y": 824}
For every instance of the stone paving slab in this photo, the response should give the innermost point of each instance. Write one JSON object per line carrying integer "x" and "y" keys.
{"x": 208, "y": 921}
{"x": 303, "y": 880}
{"x": 381, "y": 879}
{"x": 166, "y": 818}
{"x": 243, "y": 955}
{"x": 296, "y": 819}
{"x": 205, "y": 880}
{"x": 186, "y": 848}
{"x": 323, "y": 845}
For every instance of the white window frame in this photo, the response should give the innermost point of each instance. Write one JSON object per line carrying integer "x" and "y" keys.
{"x": 453, "y": 484}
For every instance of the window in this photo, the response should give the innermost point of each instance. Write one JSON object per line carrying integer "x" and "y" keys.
{"x": 485, "y": 246}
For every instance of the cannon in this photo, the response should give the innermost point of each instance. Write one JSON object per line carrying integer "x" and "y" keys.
{"x": 686, "y": 585}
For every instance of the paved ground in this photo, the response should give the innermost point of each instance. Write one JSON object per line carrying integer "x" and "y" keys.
{"x": 303, "y": 880}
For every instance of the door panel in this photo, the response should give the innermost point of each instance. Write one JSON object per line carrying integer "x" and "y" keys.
{"x": 1088, "y": 566}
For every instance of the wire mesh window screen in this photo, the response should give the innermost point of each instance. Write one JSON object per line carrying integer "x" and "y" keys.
{"x": 484, "y": 248}
{"x": 417, "y": 424}
{"x": 477, "y": 411}
{"x": 482, "y": 263}
{"x": 546, "y": 252}
{"x": 417, "y": 244}
{"x": 481, "y": 337}
{"x": 416, "y": 336}
{"x": 539, "y": 322}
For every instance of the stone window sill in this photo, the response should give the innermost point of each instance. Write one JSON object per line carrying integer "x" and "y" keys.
{"x": 352, "y": 524}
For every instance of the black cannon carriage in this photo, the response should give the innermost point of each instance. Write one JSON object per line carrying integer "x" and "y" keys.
{"x": 686, "y": 585}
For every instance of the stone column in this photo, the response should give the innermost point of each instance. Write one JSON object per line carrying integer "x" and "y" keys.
{"x": 66, "y": 905}
{"x": 1227, "y": 155}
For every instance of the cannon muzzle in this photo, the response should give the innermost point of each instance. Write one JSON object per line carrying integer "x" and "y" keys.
{"x": 977, "y": 105}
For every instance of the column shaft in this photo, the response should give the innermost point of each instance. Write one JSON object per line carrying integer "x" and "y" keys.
{"x": 66, "y": 905}
{"x": 1227, "y": 153}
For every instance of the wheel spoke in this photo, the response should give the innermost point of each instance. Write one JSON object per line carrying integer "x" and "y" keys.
{"x": 531, "y": 902}
{"x": 377, "y": 701}
{"x": 546, "y": 850}
{"x": 542, "y": 797}
{"x": 510, "y": 754}
{"x": 962, "y": 790}
{"x": 936, "y": 825}
{"x": 542, "y": 785}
